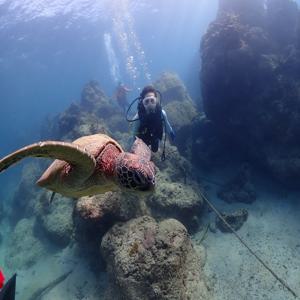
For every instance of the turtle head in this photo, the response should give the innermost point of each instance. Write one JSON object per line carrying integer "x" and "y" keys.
{"x": 135, "y": 172}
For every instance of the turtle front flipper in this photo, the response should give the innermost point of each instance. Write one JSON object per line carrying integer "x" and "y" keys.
{"x": 81, "y": 162}
{"x": 141, "y": 149}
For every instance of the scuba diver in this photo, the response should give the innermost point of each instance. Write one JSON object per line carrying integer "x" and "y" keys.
{"x": 121, "y": 95}
{"x": 151, "y": 120}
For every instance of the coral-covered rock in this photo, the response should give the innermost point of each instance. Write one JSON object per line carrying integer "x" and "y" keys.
{"x": 282, "y": 19}
{"x": 176, "y": 200}
{"x": 55, "y": 219}
{"x": 235, "y": 220}
{"x": 92, "y": 96}
{"x": 95, "y": 113}
{"x": 250, "y": 12}
{"x": 176, "y": 167}
{"x": 150, "y": 260}
{"x": 250, "y": 82}
{"x": 24, "y": 249}
{"x": 176, "y": 100}
{"x": 93, "y": 216}
{"x": 76, "y": 122}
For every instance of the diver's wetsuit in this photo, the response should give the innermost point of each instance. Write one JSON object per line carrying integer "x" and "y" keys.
{"x": 150, "y": 127}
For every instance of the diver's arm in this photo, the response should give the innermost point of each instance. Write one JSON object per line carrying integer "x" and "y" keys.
{"x": 169, "y": 128}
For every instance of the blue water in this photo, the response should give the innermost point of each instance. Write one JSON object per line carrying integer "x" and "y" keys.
{"x": 51, "y": 49}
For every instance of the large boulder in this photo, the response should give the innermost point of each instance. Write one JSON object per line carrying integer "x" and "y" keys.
{"x": 93, "y": 216}
{"x": 250, "y": 82}
{"x": 235, "y": 219}
{"x": 150, "y": 260}
{"x": 176, "y": 200}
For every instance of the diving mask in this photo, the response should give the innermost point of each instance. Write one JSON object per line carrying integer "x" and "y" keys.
{"x": 150, "y": 104}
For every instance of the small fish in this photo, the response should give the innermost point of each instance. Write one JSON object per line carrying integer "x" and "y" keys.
{"x": 52, "y": 197}
{"x": 2, "y": 279}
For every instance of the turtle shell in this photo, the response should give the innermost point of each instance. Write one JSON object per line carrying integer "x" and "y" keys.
{"x": 94, "y": 144}
{"x": 60, "y": 174}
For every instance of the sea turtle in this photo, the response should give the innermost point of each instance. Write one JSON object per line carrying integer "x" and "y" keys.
{"x": 90, "y": 165}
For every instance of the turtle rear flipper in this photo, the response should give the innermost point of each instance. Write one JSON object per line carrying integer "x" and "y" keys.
{"x": 82, "y": 162}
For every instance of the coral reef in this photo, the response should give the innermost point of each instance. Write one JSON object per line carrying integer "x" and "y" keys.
{"x": 150, "y": 260}
{"x": 24, "y": 248}
{"x": 250, "y": 82}
{"x": 235, "y": 220}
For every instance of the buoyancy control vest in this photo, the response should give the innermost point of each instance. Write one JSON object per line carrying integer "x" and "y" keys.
{"x": 151, "y": 124}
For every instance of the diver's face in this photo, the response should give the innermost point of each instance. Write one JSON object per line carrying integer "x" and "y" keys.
{"x": 150, "y": 102}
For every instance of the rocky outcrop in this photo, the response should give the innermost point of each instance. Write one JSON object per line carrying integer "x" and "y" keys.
{"x": 94, "y": 113}
{"x": 150, "y": 260}
{"x": 55, "y": 219}
{"x": 24, "y": 249}
{"x": 235, "y": 220}
{"x": 94, "y": 215}
{"x": 250, "y": 82}
{"x": 176, "y": 200}
{"x": 176, "y": 101}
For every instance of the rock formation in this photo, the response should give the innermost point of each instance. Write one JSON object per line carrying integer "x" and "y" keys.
{"x": 150, "y": 260}
{"x": 235, "y": 220}
{"x": 24, "y": 248}
{"x": 250, "y": 82}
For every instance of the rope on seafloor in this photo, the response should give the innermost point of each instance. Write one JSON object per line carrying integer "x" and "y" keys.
{"x": 249, "y": 249}
{"x": 204, "y": 233}
{"x": 41, "y": 292}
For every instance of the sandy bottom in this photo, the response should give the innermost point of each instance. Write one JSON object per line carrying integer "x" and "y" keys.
{"x": 272, "y": 231}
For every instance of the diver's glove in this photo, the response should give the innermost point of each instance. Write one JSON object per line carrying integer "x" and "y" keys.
{"x": 172, "y": 135}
